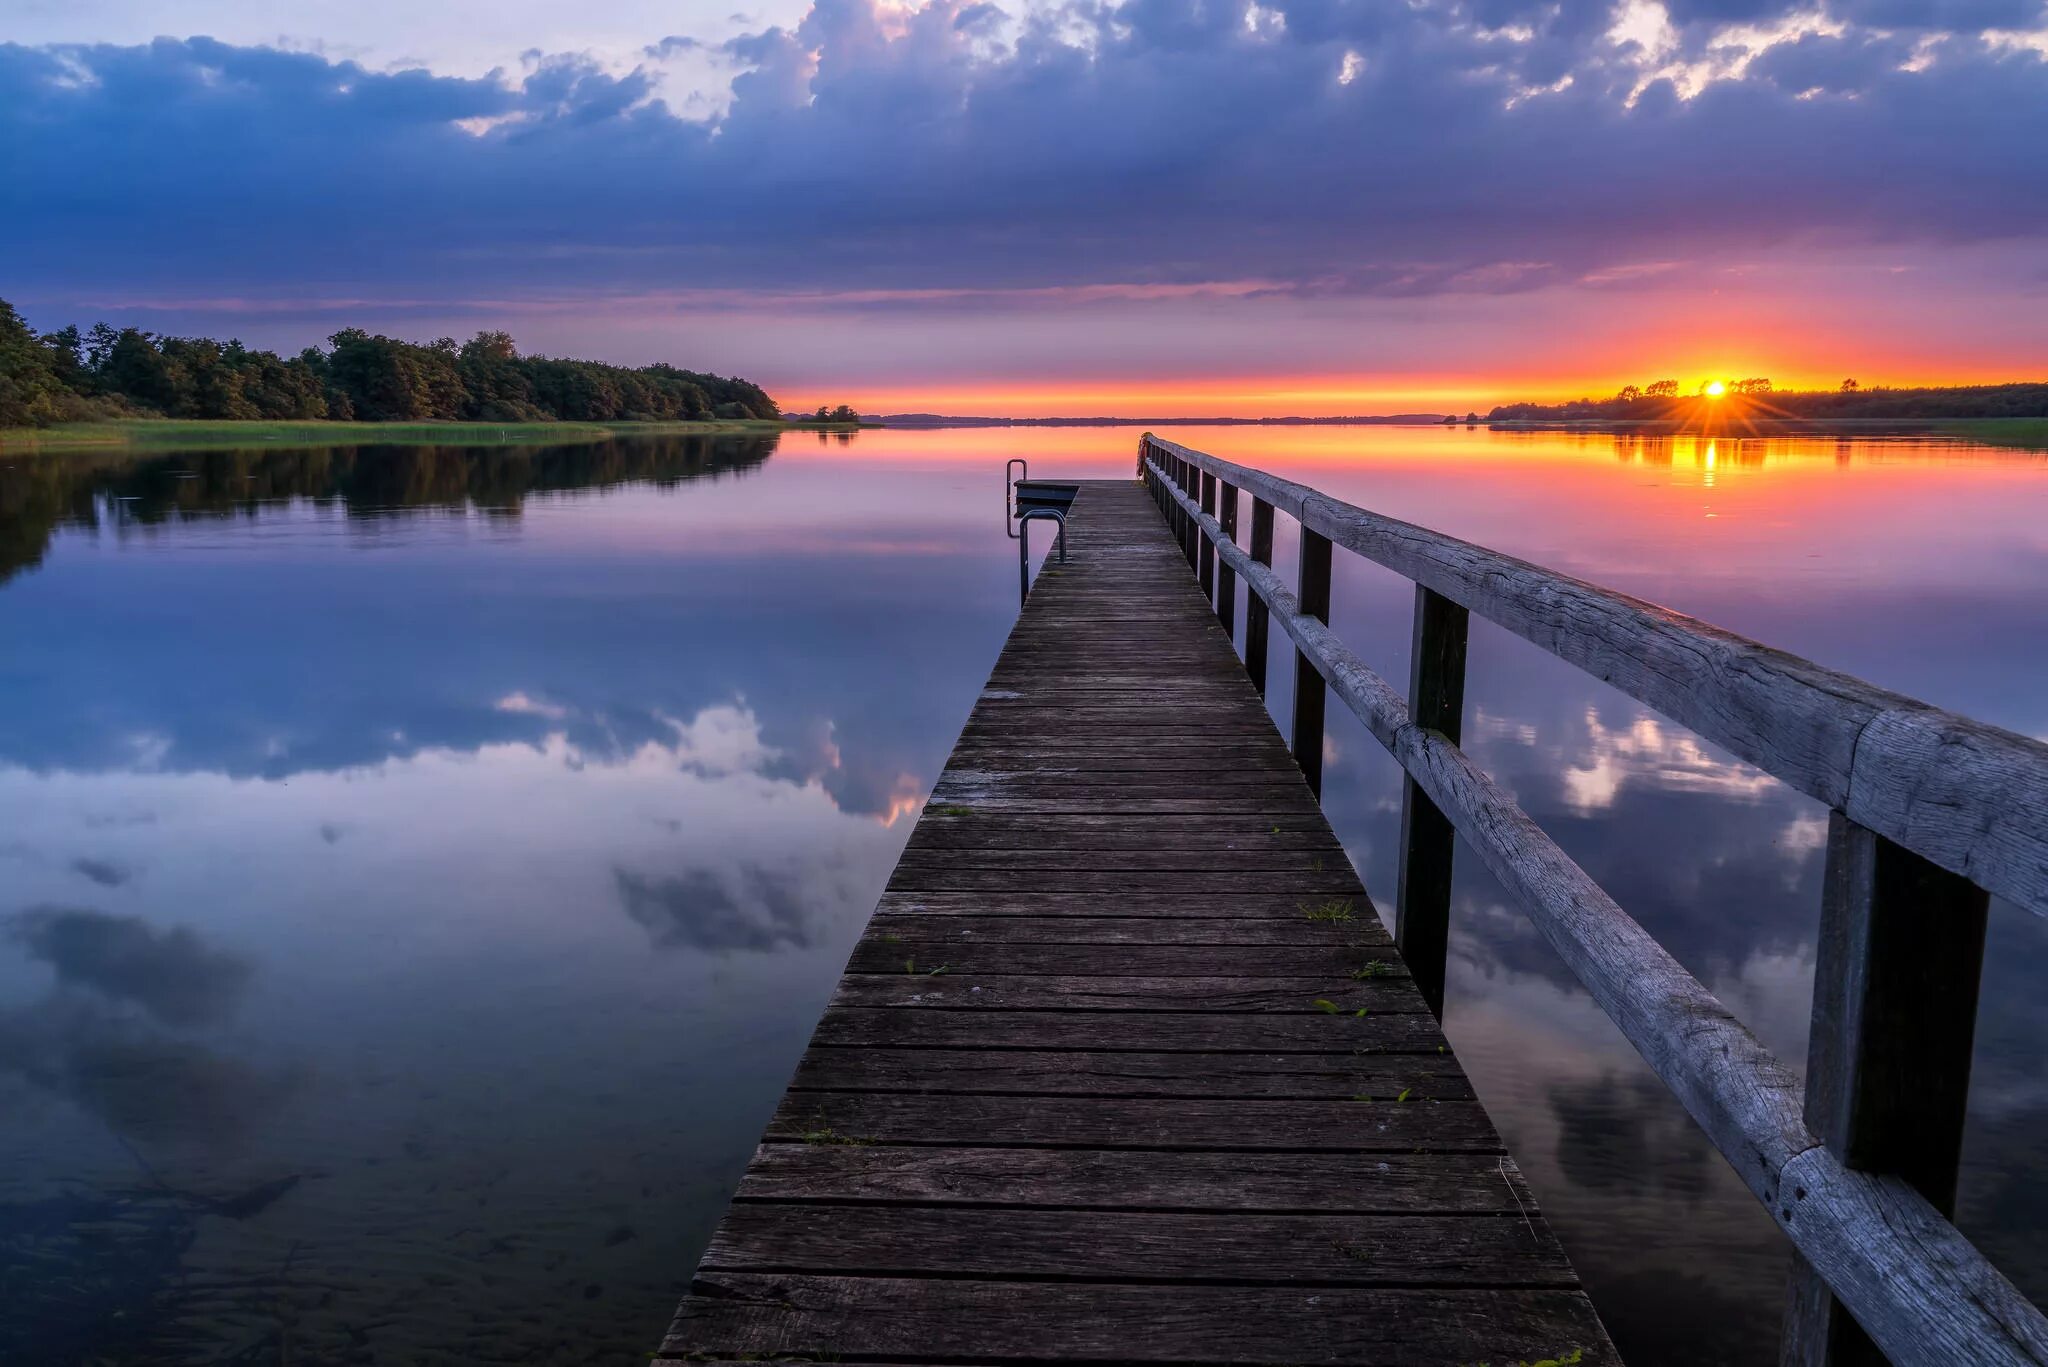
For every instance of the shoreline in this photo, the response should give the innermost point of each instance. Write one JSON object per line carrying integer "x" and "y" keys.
{"x": 172, "y": 434}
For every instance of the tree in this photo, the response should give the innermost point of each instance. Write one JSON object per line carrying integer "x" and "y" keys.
{"x": 1661, "y": 389}
{"x": 1629, "y": 393}
{"x": 136, "y": 369}
{"x": 1850, "y": 386}
{"x": 29, "y": 387}
{"x": 362, "y": 376}
{"x": 1756, "y": 384}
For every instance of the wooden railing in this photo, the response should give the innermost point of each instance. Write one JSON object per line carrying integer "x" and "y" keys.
{"x": 1930, "y": 812}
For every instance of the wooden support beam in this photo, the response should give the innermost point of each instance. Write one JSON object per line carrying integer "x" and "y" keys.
{"x": 1436, "y": 700}
{"x": 1256, "y": 613}
{"x": 1313, "y": 594}
{"x": 1206, "y": 573}
{"x": 1888, "y": 1062}
{"x": 1226, "y": 577}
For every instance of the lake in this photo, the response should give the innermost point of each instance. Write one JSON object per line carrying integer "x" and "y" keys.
{"x": 420, "y": 868}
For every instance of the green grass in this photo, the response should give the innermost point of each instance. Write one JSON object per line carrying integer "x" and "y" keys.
{"x": 170, "y": 434}
{"x": 1337, "y": 909}
{"x": 2032, "y": 432}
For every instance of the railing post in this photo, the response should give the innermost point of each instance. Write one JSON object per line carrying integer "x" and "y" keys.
{"x": 1256, "y": 612}
{"x": 1436, "y": 700}
{"x": 1176, "y": 474}
{"x": 1896, "y": 971}
{"x": 1313, "y": 592}
{"x": 1226, "y": 577}
{"x": 1207, "y": 572}
{"x": 1190, "y": 534}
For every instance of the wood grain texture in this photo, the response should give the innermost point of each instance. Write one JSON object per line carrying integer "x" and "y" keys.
{"x": 1970, "y": 797}
{"x": 1113, "y": 1179}
{"x": 1139, "y": 1246}
{"x": 1012, "y": 1321}
{"x": 1921, "y": 1291}
{"x": 1125, "y": 1061}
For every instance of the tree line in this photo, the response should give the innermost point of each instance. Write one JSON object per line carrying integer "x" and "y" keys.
{"x": 105, "y": 372}
{"x": 1661, "y": 401}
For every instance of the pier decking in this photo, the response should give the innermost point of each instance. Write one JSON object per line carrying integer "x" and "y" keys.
{"x": 1124, "y": 1068}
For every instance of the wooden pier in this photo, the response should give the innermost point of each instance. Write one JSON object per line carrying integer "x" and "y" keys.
{"x": 1125, "y": 1068}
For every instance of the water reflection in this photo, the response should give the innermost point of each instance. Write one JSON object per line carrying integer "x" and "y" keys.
{"x": 412, "y": 912}
{"x": 171, "y": 974}
{"x": 121, "y": 493}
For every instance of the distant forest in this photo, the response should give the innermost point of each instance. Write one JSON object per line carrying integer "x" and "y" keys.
{"x": 1755, "y": 398}
{"x": 103, "y": 373}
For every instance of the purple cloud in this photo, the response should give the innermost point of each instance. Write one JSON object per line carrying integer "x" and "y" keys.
{"x": 1316, "y": 148}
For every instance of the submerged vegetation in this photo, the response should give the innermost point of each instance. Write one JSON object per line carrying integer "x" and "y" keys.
{"x": 105, "y": 373}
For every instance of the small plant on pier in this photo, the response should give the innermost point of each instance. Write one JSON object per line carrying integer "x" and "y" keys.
{"x": 1337, "y": 909}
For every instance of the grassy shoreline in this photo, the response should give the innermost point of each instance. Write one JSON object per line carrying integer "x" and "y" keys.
{"x": 2002, "y": 431}
{"x": 171, "y": 434}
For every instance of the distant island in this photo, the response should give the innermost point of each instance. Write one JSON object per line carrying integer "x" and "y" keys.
{"x": 1735, "y": 402}
{"x": 112, "y": 376}
{"x": 944, "y": 420}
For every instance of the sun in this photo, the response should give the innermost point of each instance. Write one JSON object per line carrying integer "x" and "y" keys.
{"x": 1715, "y": 389}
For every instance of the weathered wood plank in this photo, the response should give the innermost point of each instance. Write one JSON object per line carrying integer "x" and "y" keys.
{"x": 1972, "y": 798}
{"x": 917, "y": 877}
{"x": 1436, "y": 702}
{"x": 1139, "y": 1246}
{"x": 1900, "y": 954}
{"x": 1187, "y": 857}
{"x": 1050, "y": 1321}
{"x": 1372, "y": 960}
{"x": 1082, "y": 1179}
{"x": 1413, "y": 1126}
{"x": 1362, "y": 925}
{"x": 1912, "y": 1281}
{"x": 929, "y": 989}
{"x": 1127, "y": 1023}
{"x": 1142, "y": 1031}
{"x": 926, "y": 932}
{"x": 1299, "y": 1077}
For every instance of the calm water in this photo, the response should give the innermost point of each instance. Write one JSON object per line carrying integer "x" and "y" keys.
{"x": 419, "y": 869}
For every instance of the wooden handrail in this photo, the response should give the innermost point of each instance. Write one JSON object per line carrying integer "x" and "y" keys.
{"x": 1921, "y": 1290}
{"x": 1968, "y": 797}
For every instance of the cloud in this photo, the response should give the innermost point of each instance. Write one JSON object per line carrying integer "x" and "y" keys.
{"x": 141, "y": 1082}
{"x": 1494, "y": 147}
{"x": 754, "y": 910}
{"x": 106, "y": 872}
{"x": 172, "y": 974}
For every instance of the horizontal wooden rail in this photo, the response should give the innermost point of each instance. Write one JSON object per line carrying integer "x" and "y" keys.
{"x": 1919, "y": 1288}
{"x": 1968, "y": 797}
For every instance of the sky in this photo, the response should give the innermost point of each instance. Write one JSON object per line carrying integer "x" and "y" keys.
{"x": 1154, "y": 207}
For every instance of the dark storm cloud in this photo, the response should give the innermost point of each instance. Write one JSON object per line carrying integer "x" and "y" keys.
{"x": 1494, "y": 145}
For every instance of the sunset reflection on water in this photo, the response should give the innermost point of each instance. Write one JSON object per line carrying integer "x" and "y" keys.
{"x": 484, "y": 830}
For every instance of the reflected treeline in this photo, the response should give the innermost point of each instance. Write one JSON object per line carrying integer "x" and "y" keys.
{"x": 41, "y": 493}
{"x": 1753, "y": 450}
